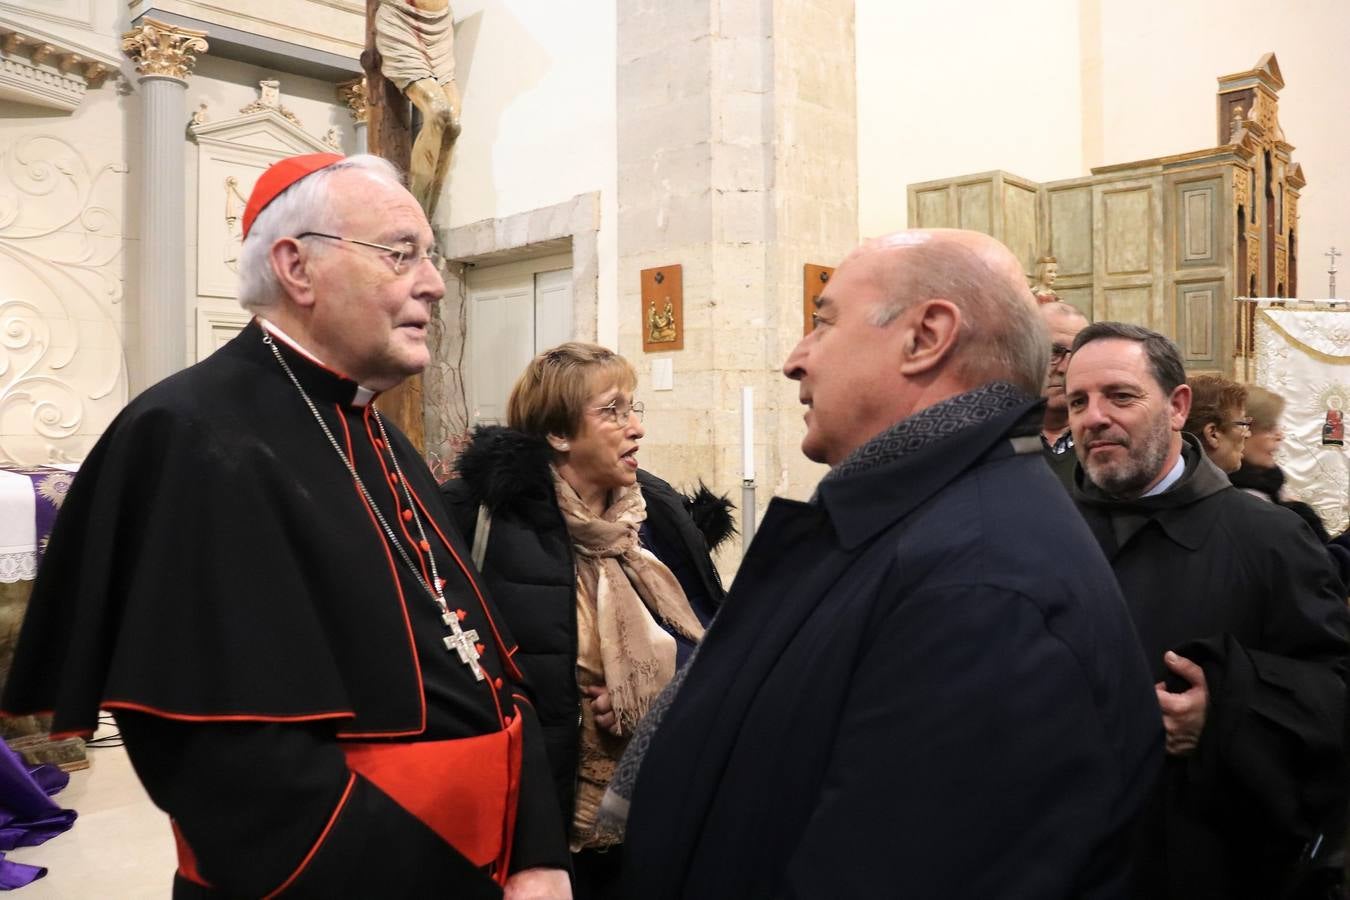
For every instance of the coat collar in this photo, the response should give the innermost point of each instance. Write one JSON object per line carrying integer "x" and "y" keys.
{"x": 862, "y": 505}
{"x": 1177, "y": 511}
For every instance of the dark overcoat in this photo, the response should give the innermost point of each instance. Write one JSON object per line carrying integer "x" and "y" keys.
{"x": 1244, "y": 588}
{"x": 924, "y": 685}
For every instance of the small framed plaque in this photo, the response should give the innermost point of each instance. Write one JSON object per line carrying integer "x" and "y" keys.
{"x": 662, "y": 309}
{"x": 814, "y": 279}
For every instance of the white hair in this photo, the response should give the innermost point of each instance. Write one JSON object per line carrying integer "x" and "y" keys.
{"x": 304, "y": 206}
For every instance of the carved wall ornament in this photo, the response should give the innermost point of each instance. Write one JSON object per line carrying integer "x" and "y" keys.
{"x": 269, "y": 98}
{"x": 235, "y": 201}
{"x": 353, "y": 94}
{"x": 158, "y": 48}
{"x": 1242, "y": 190}
{"x": 333, "y": 140}
{"x": 200, "y": 117}
{"x": 62, "y": 369}
{"x": 41, "y": 70}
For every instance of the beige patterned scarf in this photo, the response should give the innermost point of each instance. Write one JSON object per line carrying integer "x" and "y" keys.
{"x": 628, "y": 593}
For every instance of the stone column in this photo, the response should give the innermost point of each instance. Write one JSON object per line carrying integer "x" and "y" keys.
{"x": 737, "y": 159}
{"x": 353, "y": 93}
{"x": 164, "y": 56}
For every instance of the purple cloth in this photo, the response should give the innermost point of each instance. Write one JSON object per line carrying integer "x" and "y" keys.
{"x": 28, "y": 816}
{"x": 49, "y": 492}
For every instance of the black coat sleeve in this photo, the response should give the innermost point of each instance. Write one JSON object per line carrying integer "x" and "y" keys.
{"x": 541, "y": 834}
{"x": 265, "y": 805}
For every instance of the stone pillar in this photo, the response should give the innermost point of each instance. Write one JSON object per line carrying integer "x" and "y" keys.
{"x": 164, "y": 56}
{"x": 738, "y": 160}
{"x": 353, "y": 93}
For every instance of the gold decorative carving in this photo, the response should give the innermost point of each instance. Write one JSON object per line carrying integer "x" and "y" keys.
{"x": 269, "y": 99}
{"x": 353, "y": 93}
{"x": 158, "y": 48}
{"x": 42, "y": 52}
{"x": 1242, "y": 190}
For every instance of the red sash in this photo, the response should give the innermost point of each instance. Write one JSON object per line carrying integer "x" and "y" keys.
{"x": 465, "y": 790}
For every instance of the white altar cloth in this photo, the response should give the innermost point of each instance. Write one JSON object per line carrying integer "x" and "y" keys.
{"x": 18, "y": 526}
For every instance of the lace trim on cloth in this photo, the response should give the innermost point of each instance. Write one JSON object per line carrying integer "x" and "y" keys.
{"x": 21, "y": 566}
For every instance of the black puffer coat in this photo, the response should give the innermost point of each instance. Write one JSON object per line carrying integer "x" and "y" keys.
{"x": 530, "y": 571}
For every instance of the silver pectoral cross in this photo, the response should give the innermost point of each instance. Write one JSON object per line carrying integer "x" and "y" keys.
{"x": 462, "y": 642}
{"x": 1332, "y": 253}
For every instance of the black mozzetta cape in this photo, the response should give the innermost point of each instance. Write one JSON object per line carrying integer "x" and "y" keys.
{"x": 218, "y": 581}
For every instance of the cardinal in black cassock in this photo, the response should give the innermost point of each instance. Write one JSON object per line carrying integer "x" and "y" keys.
{"x": 253, "y": 572}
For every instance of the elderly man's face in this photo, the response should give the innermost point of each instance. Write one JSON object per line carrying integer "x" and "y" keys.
{"x": 369, "y": 318}
{"x": 1063, "y": 329}
{"x": 847, "y": 367}
{"x": 1124, "y": 425}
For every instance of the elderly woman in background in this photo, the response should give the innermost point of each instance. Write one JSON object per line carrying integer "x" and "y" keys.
{"x": 1218, "y": 419}
{"x": 599, "y": 568}
{"x": 1259, "y": 474}
{"x": 1262, "y": 477}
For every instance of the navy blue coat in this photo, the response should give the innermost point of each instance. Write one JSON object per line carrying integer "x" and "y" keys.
{"x": 924, "y": 685}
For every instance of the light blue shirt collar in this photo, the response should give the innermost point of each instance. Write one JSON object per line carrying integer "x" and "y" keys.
{"x": 1170, "y": 478}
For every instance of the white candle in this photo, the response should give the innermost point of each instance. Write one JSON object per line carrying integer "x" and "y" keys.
{"x": 748, "y": 433}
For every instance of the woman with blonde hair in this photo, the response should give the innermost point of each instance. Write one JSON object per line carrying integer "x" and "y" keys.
{"x": 599, "y": 568}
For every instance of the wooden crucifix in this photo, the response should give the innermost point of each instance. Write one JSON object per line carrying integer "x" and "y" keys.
{"x": 389, "y": 134}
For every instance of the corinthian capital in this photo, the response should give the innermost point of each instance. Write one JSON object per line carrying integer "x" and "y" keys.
{"x": 353, "y": 93}
{"x": 161, "y": 49}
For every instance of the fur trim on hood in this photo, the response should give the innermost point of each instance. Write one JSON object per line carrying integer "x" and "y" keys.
{"x": 502, "y": 468}
{"x": 712, "y": 514}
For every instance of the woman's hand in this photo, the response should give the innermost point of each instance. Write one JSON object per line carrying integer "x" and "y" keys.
{"x": 603, "y": 711}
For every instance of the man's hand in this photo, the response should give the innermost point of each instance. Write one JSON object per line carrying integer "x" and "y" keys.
{"x": 1184, "y": 713}
{"x": 539, "y": 884}
{"x": 605, "y": 717}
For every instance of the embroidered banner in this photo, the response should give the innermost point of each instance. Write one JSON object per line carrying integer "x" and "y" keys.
{"x": 1304, "y": 356}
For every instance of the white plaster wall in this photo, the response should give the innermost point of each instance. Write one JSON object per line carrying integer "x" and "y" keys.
{"x": 64, "y": 215}
{"x": 1161, "y": 59}
{"x": 948, "y": 89}
{"x": 538, "y": 81}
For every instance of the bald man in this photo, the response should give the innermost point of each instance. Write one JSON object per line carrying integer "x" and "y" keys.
{"x": 924, "y": 682}
{"x": 1063, "y": 322}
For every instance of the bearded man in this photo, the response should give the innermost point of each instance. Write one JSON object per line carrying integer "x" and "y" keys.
{"x": 1236, "y": 605}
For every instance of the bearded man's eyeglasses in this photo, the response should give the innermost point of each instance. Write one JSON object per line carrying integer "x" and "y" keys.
{"x": 1244, "y": 424}
{"x": 1057, "y": 353}
{"x": 402, "y": 256}
{"x": 619, "y": 412}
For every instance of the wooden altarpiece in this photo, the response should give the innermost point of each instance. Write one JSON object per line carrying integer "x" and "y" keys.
{"x": 1166, "y": 242}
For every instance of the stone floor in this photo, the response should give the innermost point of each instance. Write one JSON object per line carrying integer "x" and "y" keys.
{"x": 120, "y": 846}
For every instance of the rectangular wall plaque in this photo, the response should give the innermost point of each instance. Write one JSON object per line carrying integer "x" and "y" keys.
{"x": 813, "y": 282}
{"x": 662, "y": 309}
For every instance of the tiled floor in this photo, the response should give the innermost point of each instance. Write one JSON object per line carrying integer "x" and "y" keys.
{"x": 120, "y": 846}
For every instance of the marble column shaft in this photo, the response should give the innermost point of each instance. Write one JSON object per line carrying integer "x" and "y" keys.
{"x": 163, "y": 271}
